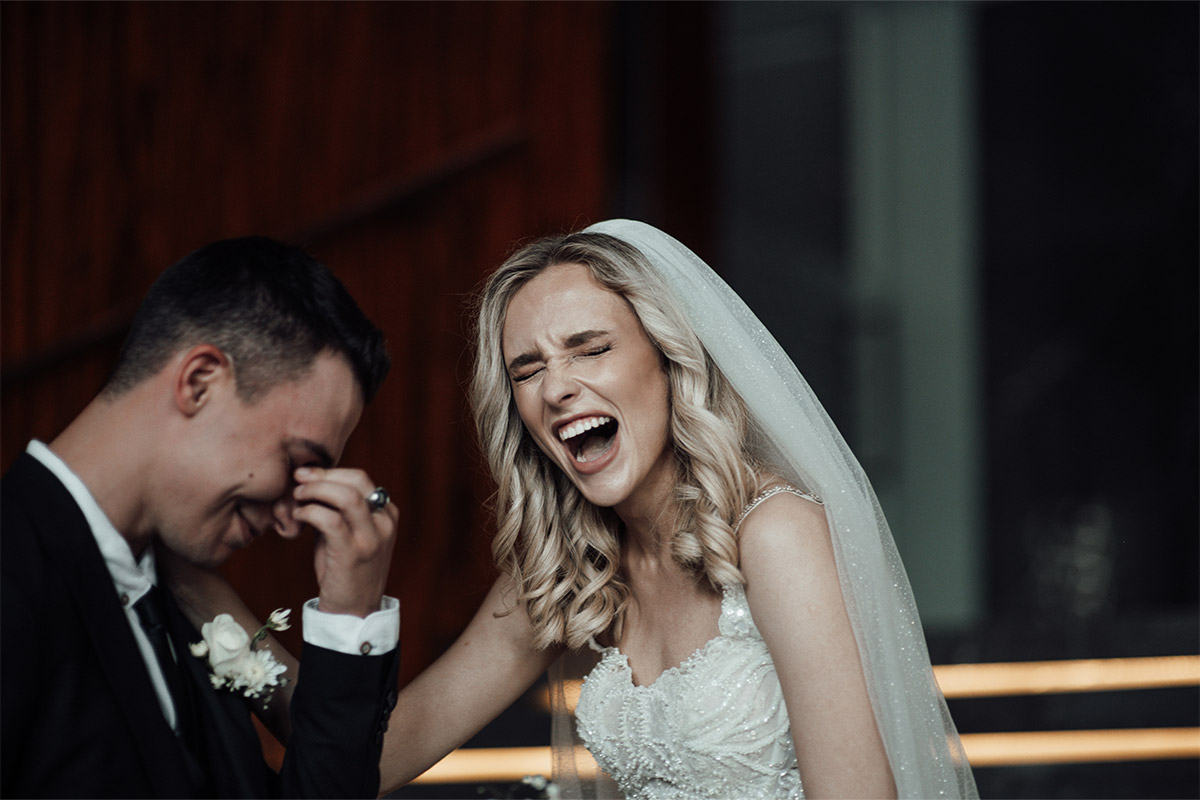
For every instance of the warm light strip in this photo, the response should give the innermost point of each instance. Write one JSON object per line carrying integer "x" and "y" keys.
{"x": 956, "y": 680}
{"x": 500, "y": 764}
{"x": 1090, "y": 675}
{"x": 510, "y": 764}
{"x": 1070, "y": 747}
{"x": 1041, "y": 677}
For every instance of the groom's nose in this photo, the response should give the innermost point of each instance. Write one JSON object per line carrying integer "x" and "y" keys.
{"x": 286, "y": 525}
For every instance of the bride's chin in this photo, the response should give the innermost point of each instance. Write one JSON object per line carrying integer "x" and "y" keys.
{"x": 599, "y": 494}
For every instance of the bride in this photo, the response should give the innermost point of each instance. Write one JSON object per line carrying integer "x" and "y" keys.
{"x": 672, "y": 497}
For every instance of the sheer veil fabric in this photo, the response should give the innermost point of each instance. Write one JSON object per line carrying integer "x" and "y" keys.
{"x": 796, "y": 436}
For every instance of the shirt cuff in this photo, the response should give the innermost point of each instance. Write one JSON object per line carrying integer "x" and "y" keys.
{"x": 376, "y": 634}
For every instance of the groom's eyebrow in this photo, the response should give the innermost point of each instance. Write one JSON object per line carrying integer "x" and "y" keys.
{"x": 318, "y": 450}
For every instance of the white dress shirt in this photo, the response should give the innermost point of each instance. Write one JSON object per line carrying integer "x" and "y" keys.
{"x": 376, "y": 634}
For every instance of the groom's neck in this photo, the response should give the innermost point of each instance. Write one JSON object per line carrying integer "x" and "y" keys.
{"x": 110, "y": 447}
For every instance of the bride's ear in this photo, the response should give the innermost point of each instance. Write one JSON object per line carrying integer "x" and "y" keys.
{"x": 201, "y": 372}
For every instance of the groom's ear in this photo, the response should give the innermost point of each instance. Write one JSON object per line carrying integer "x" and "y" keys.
{"x": 201, "y": 372}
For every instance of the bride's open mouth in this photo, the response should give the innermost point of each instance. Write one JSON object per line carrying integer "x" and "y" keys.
{"x": 588, "y": 438}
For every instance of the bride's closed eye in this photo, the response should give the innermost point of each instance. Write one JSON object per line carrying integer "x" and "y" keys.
{"x": 590, "y": 353}
{"x": 525, "y": 375}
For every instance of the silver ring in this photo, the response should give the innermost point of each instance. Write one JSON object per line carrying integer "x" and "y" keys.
{"x": 377, "y": 499}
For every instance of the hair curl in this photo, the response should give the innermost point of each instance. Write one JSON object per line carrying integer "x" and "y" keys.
{"x": 561, "y": 552}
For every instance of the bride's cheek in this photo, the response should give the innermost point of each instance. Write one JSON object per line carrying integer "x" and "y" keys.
{"x": 547, "y": 452}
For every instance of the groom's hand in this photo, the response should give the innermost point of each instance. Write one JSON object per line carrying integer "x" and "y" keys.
{"x": 354, "y": 544}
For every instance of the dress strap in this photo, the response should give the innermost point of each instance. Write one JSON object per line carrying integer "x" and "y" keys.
{"x": 769, "y": 493}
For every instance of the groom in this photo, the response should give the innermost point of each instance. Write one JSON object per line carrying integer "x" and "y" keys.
{"x": 246, "y": 369}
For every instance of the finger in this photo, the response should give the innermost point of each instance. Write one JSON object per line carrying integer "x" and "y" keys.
{"x": 355, "y": 478}
{"x": 330, "y": 524}
{"x": 345, "y": 489}
{"x": 340, "y": 512}
{"x": 341, "y": 496}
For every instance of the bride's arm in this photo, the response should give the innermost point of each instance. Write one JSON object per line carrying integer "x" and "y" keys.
{"x": 796, "y": 601}
{"x": 486, "y": 669}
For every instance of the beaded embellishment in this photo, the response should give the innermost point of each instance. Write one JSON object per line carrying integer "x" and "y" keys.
{"x": 715, "y": 726}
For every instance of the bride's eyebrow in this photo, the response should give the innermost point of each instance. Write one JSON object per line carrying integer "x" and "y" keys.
{"x": 583, "y": 337}
{"x": 523, "y": 360}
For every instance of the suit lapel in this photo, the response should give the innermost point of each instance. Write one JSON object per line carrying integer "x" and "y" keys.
{"x": 68, "y": 540}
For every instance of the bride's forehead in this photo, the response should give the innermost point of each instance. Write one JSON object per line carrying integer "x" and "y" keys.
{"x": 561, "y": 279}
{"x": 565, "y": 297}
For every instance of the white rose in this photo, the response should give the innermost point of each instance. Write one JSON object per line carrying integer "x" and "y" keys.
{"x": 228, "y": 644}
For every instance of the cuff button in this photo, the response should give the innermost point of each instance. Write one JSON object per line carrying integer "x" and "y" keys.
{"x": 365, "y": 648}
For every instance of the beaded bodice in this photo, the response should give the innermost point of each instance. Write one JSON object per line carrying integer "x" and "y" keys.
{"x": 713, "y": 727}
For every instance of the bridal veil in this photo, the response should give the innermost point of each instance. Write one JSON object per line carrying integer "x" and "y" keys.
{"x": 797, "y": 437}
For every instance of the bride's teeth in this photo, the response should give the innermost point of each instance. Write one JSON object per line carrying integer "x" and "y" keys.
{"x": 580, "y": 426}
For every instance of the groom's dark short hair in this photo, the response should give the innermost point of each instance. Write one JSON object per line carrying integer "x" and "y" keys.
{"x": 270, "y": 307}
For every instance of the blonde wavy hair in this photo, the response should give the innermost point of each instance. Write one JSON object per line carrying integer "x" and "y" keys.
{"x": 562, "y": 553}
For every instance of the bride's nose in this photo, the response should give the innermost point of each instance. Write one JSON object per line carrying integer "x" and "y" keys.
{"x": 559, "y": 386}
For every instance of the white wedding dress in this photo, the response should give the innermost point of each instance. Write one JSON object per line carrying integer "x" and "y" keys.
{"x": 713, "y": 727}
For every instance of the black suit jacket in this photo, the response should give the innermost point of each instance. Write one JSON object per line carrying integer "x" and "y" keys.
{"x": 78, "y": 713}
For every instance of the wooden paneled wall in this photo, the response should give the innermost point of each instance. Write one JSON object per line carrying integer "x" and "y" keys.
{"x": 407, "y": 145}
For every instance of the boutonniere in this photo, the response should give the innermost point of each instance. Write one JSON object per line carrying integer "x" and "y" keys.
{"x": 235, "y": 663}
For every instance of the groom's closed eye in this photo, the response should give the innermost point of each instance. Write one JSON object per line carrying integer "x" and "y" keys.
{"x": 307, "y": 453}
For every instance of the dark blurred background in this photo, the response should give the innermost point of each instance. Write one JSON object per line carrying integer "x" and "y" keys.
{"x": 973, "y": 226}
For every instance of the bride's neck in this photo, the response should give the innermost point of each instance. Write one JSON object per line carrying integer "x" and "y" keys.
{"x": 648, "y": 541}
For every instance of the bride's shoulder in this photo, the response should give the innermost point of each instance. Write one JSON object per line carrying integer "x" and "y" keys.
{"x": 783, "y": 521}
{"x": 779, "y": 494}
